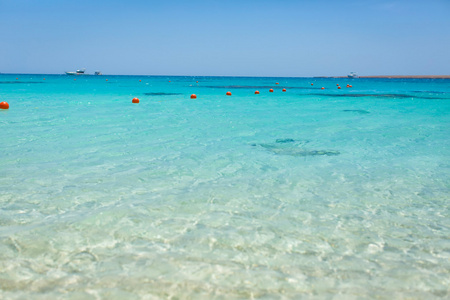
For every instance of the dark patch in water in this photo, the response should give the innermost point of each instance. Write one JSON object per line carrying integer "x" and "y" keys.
{"x": 359, "y": 111}
{"x": 283, "y": 141}
{"x": 431, "y": 92}
{"x": 402, "y": 96}
{"x": 162, "y": 94}
{"x": 294, "y": 148}
{"x": 299, "y": 152}
{"x": 256, "y": 87}
{"x": 18, "y": 82}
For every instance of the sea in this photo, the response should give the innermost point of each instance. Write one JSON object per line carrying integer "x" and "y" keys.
{"x": 307, "y": 193}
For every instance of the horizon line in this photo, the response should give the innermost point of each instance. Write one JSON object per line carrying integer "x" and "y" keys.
{"x": 250, "y": 76}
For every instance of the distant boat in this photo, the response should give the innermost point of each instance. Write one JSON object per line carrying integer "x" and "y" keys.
{"x": 78, "y": 72}
{"x": 98, "y": 73}
{"x": 352, "y": 75}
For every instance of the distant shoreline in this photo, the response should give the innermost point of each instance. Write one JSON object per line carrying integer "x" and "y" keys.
{"x": 405, "y": 76}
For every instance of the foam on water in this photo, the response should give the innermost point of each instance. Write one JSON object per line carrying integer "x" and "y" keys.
{"x": 277, "y": 195}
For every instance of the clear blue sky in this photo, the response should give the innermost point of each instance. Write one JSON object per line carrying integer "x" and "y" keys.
{"x": 228, "y": 37}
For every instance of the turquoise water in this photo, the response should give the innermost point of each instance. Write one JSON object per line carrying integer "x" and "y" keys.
{"x": 307, "y": 193}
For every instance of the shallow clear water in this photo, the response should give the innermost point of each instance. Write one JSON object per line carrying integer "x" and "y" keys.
{"x": 305, "y": 193}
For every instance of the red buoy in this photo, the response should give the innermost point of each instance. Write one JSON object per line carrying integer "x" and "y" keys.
{"x": 271, "y": 90}
{"x": 276, "y": 83}
{"x": 228, "y": 93}
{"x": 339, "y": 87}
{"x": 140, "y": 80}
{"x": 4, "y": 105}
{"x": 284, "y": 90}
{"x": 337, "y": 84}
{"x": 135, "y": 100}
{"x": 312, "y": 83}
{"x": 196, "y": 81}
{"x": 17, "y": 78}
{"x": 193, "y": 96}
{"x": 106, "y": 79}
{"x": 257, "y": 92}
{"x": 322, "y": 88}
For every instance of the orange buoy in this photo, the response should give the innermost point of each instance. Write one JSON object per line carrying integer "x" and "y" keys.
{"x": 140, "y": 80}
{"x": 44, "y": 78}
{"x": 196, "y": 81}
{"x": 228, "y": 93}
{"x": 339, "y": 87}
{"x": 17, "y": 78}
{"x": 74, "y": 79}
{"x": 337, "y": 84}
{"x": 4, "y": 105}
{"x": 276, "y": 83}
{"x": 257, "y": 92}
{"x": 271, "y": 90}
{"x": 193, "y": 96}
{"x": 312, "y": 83}
{"x": 322, "y": 88}
{"x": 349, "y": 85}
{"x": 135, "y": 100}
{"x": 284, "y": 90}
{"x": 169, "y": 80}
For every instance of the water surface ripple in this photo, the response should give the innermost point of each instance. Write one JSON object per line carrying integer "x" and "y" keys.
{"x": 276, "y": 195}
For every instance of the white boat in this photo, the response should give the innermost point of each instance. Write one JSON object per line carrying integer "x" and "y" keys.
{"x": 78, "y": 72}
{"x": 352, "y": 75}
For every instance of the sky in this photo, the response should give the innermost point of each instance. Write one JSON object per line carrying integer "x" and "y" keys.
{"x": 226, "y": 38}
